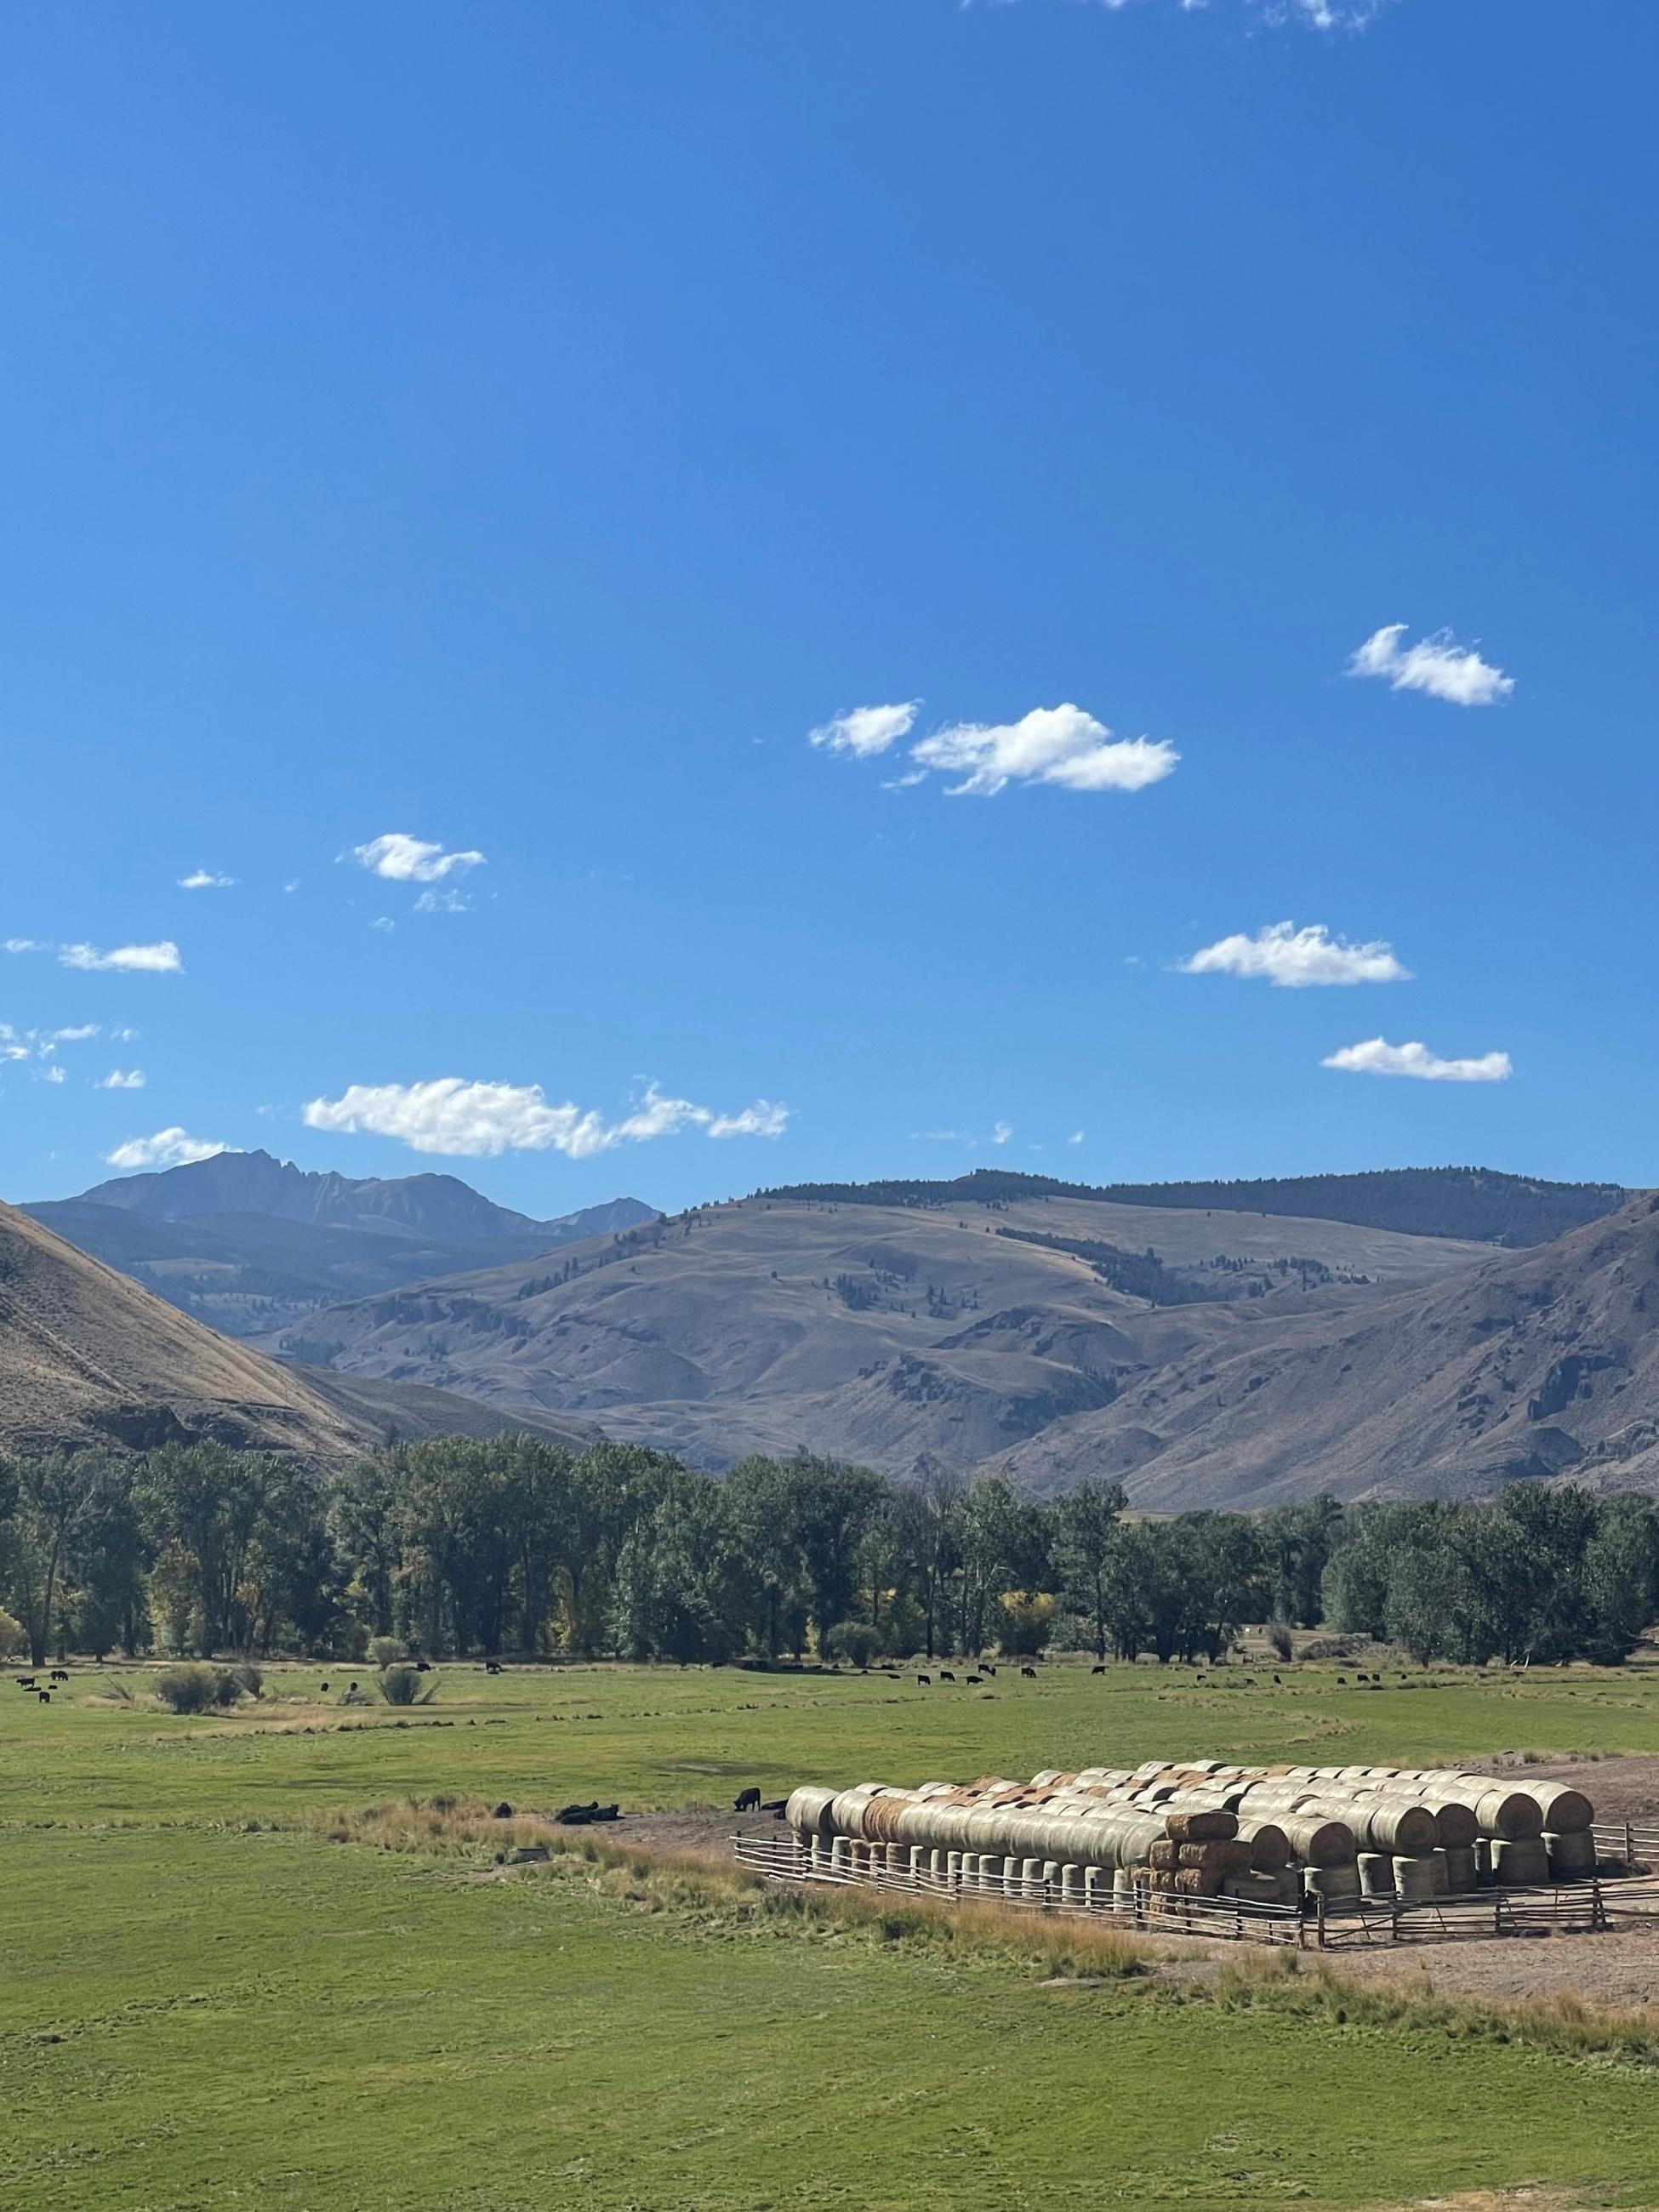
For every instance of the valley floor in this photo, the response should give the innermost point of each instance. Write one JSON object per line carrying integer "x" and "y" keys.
{"x": 205, "y": 2002}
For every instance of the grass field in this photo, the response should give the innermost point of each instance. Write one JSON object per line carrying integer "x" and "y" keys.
{"x": 204, "y": 2002}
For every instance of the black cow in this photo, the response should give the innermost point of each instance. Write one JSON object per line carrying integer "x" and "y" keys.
{"x": 322, "y": 1689}
{"x": 1097, "y": 1670}
{"x": 26, "y": 1681}
{"x": 45, "y": 1696}
{"x": 924, "y": 1681}
{"x": 974, "y": 1682}
{"x": 990, "y": 1670}
{"x": 748, "y": 1800}
{"x": 349, "y": 1687}
{"x": 59, "y": 1674}
{"x": 492, "y": 1666}
{"x": 945, "y": 1675}
{"x": 1030, "y": 1672}
{"x": 422, "y": 1666}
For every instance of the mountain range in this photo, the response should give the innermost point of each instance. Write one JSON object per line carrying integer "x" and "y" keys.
{"x": 1205, "y": 1354}
{"x": 248, "y": 1243}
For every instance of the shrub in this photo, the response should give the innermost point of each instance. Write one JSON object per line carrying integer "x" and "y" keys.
{"x": 401, "y": 1686}
{"x": 853, "y": 1640}
{"x": 386, "y": 1651}
{"x": 14, "y": 1636}
{"x": 193, "y": 1688}
{"x": 248, "y": 1681}
{"x": 1279, "y": 1635}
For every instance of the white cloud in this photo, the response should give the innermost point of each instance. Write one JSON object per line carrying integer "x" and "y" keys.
{"x": 138, "y": 959}
{"x": 477, "y": 1121}
{"x": 1436, "y": 665}
{"x": 53, "y": 1074}
{"x": 1293, "y": 959}
{"x": 1001, "y": 1133}
{"x": 445, "y": 902}
{"x": 126, "y": 1037}
{"x": 72, "y": 1037}
{"x": 204, "y": 879}
{"x": 1076, "y": 1137}
{"x": 1059, "y": 745}
{"x": 131, "y": 1080}
{"x": 765, "y": 1118}
{"x": 25, "y": 945}
{"x": 383, "y": 922}
{"x": 405, "y": 860}
{"x": 1316, "y": 15}
{"x": 1376, "y": 1057}
{"x": 866, "y": 730}
{"x": 167, "y": 1148}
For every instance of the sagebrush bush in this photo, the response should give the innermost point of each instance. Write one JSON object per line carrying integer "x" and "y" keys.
{"x": 386, "y": 1651}
{"x": 192, "y": 1687}
{"x": 250, "y": 1682}
{"x": 402, "y": 1685}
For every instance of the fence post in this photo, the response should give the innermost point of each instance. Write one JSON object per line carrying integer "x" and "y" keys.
{"x": 1319, "y": 1914}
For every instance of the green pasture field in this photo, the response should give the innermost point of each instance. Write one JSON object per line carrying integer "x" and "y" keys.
{"x": 204, "y": 2003}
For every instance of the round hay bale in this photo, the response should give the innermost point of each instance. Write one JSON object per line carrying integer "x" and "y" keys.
{"x": 1572, "y": 1856}
{"x": 1566, "y": 1812}
{"x": 1417, "y": 1880}
{"x": 1375, "y": 1873}
{"x": 1337, "y": 1885}
{"x": 1462, "y": 1873}
{"x": 1270, "y": 1847}
{"x": 1512, "y": 1816}
{"x": 1520, "y": 1862}
{"x": 1392, "y": 1825}
{"x": 1318, "y": 1841}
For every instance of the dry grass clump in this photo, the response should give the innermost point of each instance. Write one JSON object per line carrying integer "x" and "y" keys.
{"x": 1563, "y": 2023}
{"x": 732, "y": 1898}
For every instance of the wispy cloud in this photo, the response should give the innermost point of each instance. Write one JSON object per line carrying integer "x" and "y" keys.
{"x": 402, "y": 859}
{"x": 1001, "y": 1133}
{"x": 1376, "y": 1057}
{"x": 41, "y": 1045}
{"x": 131, "y": 1078}
{"x": 866, "y": 730}
{"x": 1315, "y": 15}
{"x": 167, "y": 1148}
{"x": 1294, "y": 960}
{"x": 1076, "y": 1137}
{"x": 477, "y": 1121}
{"x": 204, "y": 879}
{"x": 1062, "y": 746}
{"x": 26, "y": 944}
{"x": 443, "y": 902}
{"x": 138, "y": 959}
{"x": 1436, "y": 664}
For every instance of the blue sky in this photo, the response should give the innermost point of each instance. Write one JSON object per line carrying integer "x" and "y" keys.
{"x": 512, "y": 430}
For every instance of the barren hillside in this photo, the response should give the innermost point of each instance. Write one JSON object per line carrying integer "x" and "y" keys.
{"x": 892, "y": 1335}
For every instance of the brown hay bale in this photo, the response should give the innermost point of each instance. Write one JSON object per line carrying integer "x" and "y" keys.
{"x": 1197, "y": 1881}
{"x": 1202, "y": 1828}
{"x": 1165, "y": 1856}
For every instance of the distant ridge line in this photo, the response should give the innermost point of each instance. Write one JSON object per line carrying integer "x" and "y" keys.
{"x": 1482, "y": 1205}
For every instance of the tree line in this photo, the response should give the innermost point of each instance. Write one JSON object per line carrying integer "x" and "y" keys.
{"x": 460, "y": 1546}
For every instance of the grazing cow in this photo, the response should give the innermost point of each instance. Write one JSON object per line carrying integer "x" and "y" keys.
{"x": 350, "y": 1686}
{"x": 26, "y": 1681}
{"x": 945, "y": 1675}
{"x": 422, "y": 1666}
{"x": 1097, "y": 1670}
{"x": 1275, "y": 1678}
{"x": 59, "y": 1674}
{"x": 990, "y": 1670}
{"x": 492, "y": 1666}
{"x": 45, "y": 1696}
{"x": 322, "y": 1689}
{"x": 1030, "y": 1672}
{"x": 747, "y": 1801}
{"x": 1341, "y": 1681}
{"x": 924, "y": 1681}
{"x": 975, "y": 1682}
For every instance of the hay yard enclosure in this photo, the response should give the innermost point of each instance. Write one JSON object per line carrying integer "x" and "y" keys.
{"x": 202, "y": 1998}
{"x": 1273, "y": 1854}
